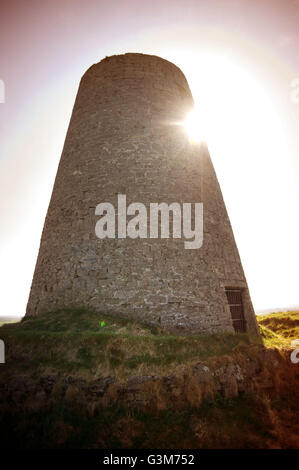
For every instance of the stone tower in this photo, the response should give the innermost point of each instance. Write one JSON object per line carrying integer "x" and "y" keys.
{"x": 124, "y": 138}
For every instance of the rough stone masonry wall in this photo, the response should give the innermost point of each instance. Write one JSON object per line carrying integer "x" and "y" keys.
{"x": 123, "y": 138}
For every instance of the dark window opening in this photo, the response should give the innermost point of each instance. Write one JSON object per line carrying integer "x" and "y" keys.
{"x": 235, "y": 302}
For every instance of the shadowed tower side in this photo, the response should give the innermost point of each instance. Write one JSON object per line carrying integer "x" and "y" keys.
{"x": 123, "y": 138}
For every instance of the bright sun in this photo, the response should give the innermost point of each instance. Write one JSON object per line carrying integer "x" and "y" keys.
{"x": 233, "y": 110}
{"x": 195, "y": 126}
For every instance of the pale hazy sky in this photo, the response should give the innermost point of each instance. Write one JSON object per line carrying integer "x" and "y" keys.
{"x": 240, "y": 59}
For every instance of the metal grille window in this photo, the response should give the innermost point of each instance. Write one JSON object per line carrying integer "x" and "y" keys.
{"x": 234, "y": 298}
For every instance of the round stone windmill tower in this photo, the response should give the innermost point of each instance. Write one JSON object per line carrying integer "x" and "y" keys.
{"x": 124, "y": 139}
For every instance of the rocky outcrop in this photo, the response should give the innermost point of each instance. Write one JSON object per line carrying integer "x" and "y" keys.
{"x": 230, "y": 376}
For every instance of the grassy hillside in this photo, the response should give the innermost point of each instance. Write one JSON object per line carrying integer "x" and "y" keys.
{"x": 88, "y": 343}
{"x": 279, "y": 329}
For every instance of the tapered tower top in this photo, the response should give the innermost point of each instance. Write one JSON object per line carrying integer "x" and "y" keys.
{"x": 141, "y": 87}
